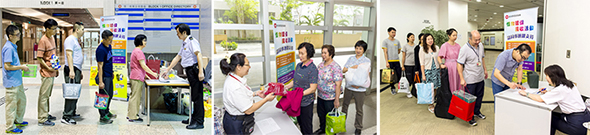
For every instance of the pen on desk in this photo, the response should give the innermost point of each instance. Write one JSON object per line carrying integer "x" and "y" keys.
{"x": 541, "y": 90}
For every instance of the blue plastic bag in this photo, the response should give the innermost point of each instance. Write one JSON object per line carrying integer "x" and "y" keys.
{"x": 425, "y": 93}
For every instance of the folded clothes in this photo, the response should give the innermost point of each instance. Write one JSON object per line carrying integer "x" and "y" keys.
{"x": 276, "y": 88}
{"x": 292, "y": 102}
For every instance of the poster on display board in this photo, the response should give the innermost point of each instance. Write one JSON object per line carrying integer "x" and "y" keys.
{"x": 284, "y": 41}
{"x": 520, "y": 27}
{"x": 118, "y": 25}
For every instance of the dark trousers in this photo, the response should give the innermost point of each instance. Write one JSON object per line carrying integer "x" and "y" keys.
{"x": 476, "y": 89}
{"x": 305, "y": 120}
{"x": 231, "y": 124}
{"x": 410, "y": 73}
{"x": 397, "y": 69}
{"x": 70, "y": 104}
{"x": 108, "y": 89}
{"x": 192, "y": 74}
{"x": 571, "y": 125}
{"x": 323, "y": 107}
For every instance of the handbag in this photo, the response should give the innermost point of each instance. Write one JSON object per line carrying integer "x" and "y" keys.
{"x": 71, "y": 90}
{"x": 425, "y": 92}
{"x": 388, "y": 76}
{"x": 153, "y": 65}
{"x": 102, "y": 100}
{"x": 462, "y": 105}
{"x": 416, "y": 81}
{"x": 403, "y": 85}
{"x": 335, "y": 122}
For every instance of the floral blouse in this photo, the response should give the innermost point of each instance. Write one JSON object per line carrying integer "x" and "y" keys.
{"x": 328, "y": 76}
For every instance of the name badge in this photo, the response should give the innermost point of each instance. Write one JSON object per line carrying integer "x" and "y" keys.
{"x": 479, "y": 64}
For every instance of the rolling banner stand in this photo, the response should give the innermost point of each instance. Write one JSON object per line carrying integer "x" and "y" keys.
{"x": 284, "y": 41}
{"x": 519, "y": 28}
{"x": 118, "y": 25}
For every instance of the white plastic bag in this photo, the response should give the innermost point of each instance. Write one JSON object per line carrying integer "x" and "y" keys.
{"x": 359, "y": 76}
{"x": 403, "y": 85}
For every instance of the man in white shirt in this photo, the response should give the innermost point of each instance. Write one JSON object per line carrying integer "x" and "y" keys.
{"x": 73, "y": 74}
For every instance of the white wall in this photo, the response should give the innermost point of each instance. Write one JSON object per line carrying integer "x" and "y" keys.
{"x": 457, "y": 18}
{"x": 566, "y": 28}
{"x": 472, "y": 26}
{"x": 406, "y": 16}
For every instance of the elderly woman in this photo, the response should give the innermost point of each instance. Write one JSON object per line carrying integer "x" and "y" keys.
{"x": 238, "y": 98}
{"x": 306, "y": 77}
{"x": 566, "y": 95}
{"x": 330, "y": 80}
{"x": 356, "y": 92}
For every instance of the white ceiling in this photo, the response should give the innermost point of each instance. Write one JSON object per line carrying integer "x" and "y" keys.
{"x": 36, "y": 15}
{"x": 483, "y": 12}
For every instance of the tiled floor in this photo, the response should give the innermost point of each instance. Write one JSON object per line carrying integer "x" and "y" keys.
{"x": 163, "y": 122}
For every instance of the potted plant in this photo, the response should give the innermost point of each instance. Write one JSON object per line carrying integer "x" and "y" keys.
{"x": 229, "y": 46}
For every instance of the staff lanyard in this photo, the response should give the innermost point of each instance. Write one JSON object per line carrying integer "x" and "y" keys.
{"x": 240, "y": 82}
{"x": 478, "y": 59}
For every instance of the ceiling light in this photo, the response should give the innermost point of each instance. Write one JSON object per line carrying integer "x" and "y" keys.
{"x": 475, "y": 15}
{"x": 495, "y": 13}
{"x": 501, "y": 5}
{"x": 474, "y": 19}
{"x": 478, "y": 0}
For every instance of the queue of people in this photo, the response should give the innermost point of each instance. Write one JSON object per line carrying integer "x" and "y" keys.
{"x": 189, "y": 56}
{"x": 325, "y": 79}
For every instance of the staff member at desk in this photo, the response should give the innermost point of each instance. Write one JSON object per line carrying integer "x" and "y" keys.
{"x": 567, "y": 96}
{"x": 238, "y": 98}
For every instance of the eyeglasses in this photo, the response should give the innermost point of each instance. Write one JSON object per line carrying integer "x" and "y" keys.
{"x": 17, "y": 34}
{"x": 247, "y": 65}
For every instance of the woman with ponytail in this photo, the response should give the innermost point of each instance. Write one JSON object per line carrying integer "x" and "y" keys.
{"x": 238, "y": 97}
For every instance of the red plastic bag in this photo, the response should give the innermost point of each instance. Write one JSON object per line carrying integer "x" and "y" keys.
{"x": 154, "y": 65}
{"x": 277, "y": 88}
{"x": 461, "y": 108}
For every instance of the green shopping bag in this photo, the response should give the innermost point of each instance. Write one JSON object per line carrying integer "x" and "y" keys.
{"x": 335, "y": 122}
{"x": 32, "y": 73}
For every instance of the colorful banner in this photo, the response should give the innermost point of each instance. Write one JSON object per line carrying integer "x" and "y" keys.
{"x": 118, "y": 25}
{"x": 519, "y": 28}
{"x": 284, "y": 35}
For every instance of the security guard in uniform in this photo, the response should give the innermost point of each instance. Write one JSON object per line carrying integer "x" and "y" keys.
{"x": 190, "y": 53}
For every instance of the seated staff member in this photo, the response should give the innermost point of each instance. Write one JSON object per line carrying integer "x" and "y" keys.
{"x": 567, "y": 96}
{"x": 138, "y": 75}
{"x": 238, "y": 98}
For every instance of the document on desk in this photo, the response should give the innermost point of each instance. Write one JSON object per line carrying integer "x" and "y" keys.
{"x": 532, "y": 91}
{"x": 267, "y": 126}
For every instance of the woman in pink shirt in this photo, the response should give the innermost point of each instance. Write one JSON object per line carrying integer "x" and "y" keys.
{"x": 449, "y": 51}
{"x": 138, "y": 71}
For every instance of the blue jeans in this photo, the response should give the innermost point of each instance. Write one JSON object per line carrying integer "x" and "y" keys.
{"x": 497, "y": 89}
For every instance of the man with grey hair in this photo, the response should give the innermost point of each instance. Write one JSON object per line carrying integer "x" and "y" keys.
{"x": 472, "y": 71}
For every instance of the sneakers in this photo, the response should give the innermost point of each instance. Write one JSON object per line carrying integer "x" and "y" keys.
{"x": 14, "y": 131}
{"x": 68, "y": 121}
{"x": 135, "y": 120}
{"x": 76, "y": 116}
{"x": 472, "y": 122}
{"x": 393, "y": 91}
{"x": 21, "y": 124}
{"x": 47, "y": 123}
{"x": 409, "y": 95}
{"x": 51, "y": 117}
{"x": 111, "y": 115}
{"x": 481, "y": 116}
{"x": 106, "y": 120}
{"x": 357, "y": 131}
{"x": 431, "y": 108}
